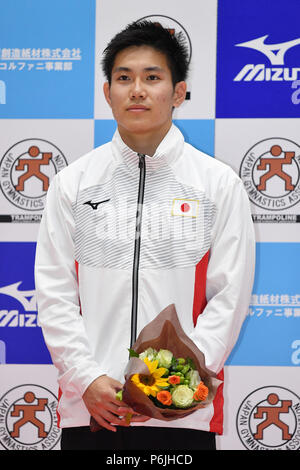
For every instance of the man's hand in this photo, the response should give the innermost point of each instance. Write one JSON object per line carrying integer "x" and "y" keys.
{"x": 100, "y": 400}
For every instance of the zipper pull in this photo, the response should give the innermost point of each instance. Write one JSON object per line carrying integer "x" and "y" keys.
{"x": 141, "y": 160}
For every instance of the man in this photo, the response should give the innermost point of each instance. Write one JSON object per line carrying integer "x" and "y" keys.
{"x": 138, "y": 224}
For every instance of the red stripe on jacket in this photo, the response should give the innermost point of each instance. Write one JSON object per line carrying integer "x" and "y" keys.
{"x": 200, "y": 301}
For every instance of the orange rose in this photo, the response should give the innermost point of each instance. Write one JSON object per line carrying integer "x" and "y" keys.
{"x": 201, "y": 392}
{"x": 164, "y": 397}
{"x": 174, "y": 379}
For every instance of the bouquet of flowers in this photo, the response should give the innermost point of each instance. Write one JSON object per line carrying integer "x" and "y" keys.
{"x": 172, "y": 383}
{"x": 166, "y": 377}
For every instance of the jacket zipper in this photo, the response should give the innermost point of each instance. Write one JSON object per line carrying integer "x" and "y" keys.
{"x": 137, "y": 248}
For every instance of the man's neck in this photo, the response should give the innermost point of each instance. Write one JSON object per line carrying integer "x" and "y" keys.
{"x": 143, "y": 143}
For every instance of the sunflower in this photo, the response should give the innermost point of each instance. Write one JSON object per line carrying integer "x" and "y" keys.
{"x": 151, "y": 384}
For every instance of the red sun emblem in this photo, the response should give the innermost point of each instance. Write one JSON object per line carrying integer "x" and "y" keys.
{"x": 185, "y": 207}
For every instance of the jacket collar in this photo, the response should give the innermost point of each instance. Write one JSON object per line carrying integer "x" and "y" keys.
{"x": 166, "y": 153}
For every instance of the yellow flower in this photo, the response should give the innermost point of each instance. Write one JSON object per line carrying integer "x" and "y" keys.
{"x": 151, "y": 384}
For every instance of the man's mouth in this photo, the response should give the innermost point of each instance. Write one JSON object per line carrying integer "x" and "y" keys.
{"x": 138, "y": 108}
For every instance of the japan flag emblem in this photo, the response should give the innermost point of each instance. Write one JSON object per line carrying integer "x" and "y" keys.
{"x": 185, "y": 207}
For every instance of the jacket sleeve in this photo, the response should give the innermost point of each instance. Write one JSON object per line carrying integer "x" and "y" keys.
{"x": 58, "y": 297}
{"x": 230, "y": 274}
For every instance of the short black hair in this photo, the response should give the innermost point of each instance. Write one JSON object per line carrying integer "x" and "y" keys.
{"x": 148, "y": 33}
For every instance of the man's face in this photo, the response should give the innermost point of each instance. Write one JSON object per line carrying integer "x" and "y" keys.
{"x": 141, "y": 93}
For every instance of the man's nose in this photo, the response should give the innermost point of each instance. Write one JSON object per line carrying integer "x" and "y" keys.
{"x": 137, "y": 89}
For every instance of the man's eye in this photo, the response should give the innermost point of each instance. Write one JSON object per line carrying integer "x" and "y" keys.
{"x": 123, "y": 77}
{"x": 152, "y": 77}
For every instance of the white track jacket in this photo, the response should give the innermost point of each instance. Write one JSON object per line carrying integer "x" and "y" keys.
{"x": 122, "y": 237}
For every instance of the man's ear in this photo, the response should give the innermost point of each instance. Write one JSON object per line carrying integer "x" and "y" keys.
{"x": 179, "y": 94}
{"x": 106, "y": 91}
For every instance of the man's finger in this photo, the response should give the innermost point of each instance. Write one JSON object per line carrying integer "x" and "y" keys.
{"x": 117, "y": 410}
{"x": 113, "y": 419}
{"x": 103, "y": 423}
{"x": 139, "y": 418}
{"x": 123, "y": 410}
{"x": 118, "y": 402}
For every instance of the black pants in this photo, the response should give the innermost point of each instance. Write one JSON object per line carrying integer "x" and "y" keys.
{"x": 137, "y": 438}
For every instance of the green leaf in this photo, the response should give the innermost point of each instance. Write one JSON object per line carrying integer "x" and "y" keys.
{"x": 181, "y": 360}
{"x": 174, "y": 362}
{"x": 132, "y": 353}
{"x": 191, "y": 363}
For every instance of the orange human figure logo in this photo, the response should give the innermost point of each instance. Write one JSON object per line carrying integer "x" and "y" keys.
{"x": 272, "y": 416}
{"x": 29, "y": 415}
{"x": 33, "y": 168}
{"x": 275, "y": 168}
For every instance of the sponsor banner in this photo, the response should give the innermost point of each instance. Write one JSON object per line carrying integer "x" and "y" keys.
{"x": 258, "y": 72}
{"x": 28, "y": 403}
{"x": 274, "y": 312}
{"x": 2, "y": 92}
{"x": 266, "y": 156}
{"x": 262, "y": 409}
{"x": 196, "y": 23}
{"x": 50, "y": 72}
{"x": 32, "y": 152}
{"x": 198, "y": 132}
{"x": 21, "y": 338}
{"x": 242, "y": 107}
{"x": 104, "y": 131}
